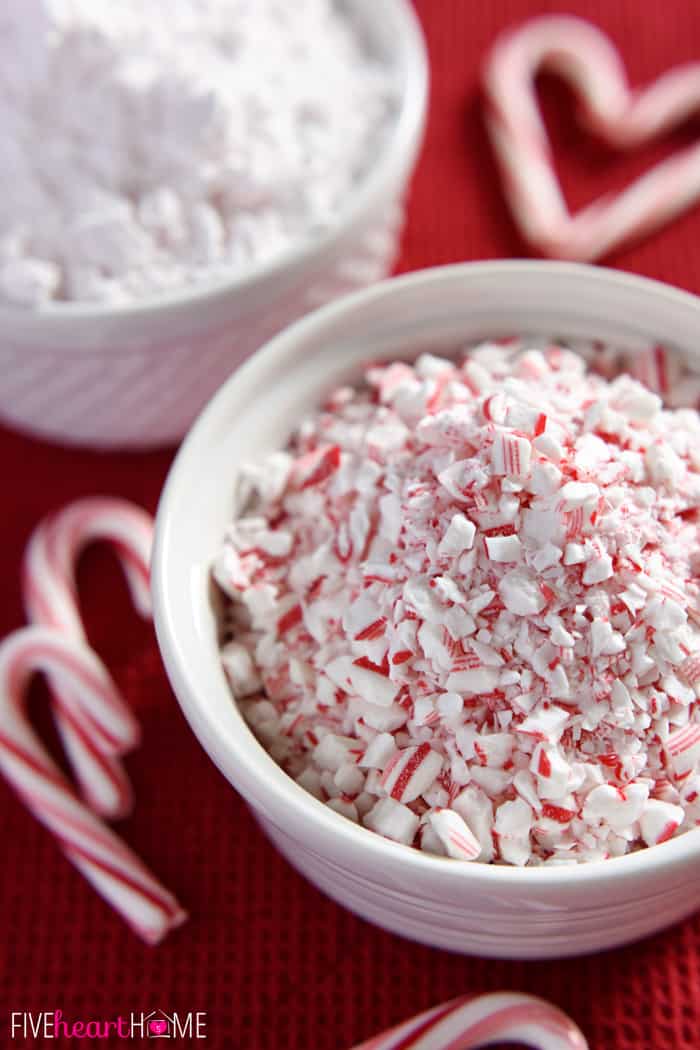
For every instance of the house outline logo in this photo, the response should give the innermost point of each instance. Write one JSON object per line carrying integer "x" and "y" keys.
{"x": 158, "y": 1025}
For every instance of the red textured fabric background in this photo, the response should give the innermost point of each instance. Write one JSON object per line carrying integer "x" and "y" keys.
{"x": 273, "y": 962}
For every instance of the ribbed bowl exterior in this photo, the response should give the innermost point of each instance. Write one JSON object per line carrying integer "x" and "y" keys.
{"x": 533, "y": 923}
{"x": 145, "y": 391}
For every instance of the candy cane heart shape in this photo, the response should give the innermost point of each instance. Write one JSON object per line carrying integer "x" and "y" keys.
{"x": 469, "y": 1022}
{"x": 51, "y": 599}
{"x": 112, "y": 868}
{"x": 625, "y": 118}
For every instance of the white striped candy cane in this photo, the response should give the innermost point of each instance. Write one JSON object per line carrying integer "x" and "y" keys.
{"x": 51, "y": 599}
{"x": 112, "y": 868}
{"x": 467, "y": 1022}
{"x": 587, "y": 59}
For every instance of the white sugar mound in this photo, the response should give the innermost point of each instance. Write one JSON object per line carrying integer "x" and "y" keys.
{"x": 465, "y": 607}
{"x": 151, "y": 144}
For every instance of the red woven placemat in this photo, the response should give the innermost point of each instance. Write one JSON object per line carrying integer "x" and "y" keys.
{"x": 272, "y": 962}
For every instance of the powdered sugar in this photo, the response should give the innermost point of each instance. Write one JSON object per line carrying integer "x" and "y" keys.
{"x": 465, "y": 642}
{"x": 147, "y": 146}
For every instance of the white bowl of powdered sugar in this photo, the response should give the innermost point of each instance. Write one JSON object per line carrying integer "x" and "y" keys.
{"x": 180, "y": 182}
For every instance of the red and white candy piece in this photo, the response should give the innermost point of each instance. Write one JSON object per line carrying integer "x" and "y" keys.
{"x": 660, "y": 821}
{"x": 683, "y": 750}
{"x": 510, "y": 455}
{"x": 410, "y": 772}
{"x": 690, "y": 671}
{"x": 587, "y": 59}
{"x": 393, "y": 820}
{"x": 455, "y": 835}
{"x": 92, "y": 738}
{"x": 469, "y": 1022}
{"x": 112, "y": 868}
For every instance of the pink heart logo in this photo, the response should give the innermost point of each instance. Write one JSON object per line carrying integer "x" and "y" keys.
{"x": 157, "y": 1027}
{"x": 586, "y": 58}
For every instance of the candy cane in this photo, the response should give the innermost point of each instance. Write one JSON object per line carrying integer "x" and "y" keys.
{"x": 51, "y": 599}
{"x": 472, "y": 1022}
{"x": 588, "y": 60}
{"x": 112, "y": 868}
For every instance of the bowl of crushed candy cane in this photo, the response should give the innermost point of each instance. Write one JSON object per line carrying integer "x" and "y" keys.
{"x": 426, "y": 582}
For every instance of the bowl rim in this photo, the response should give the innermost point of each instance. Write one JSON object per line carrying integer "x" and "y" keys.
{"x": 401, "y": 142}
{"x": 250, "y": 753}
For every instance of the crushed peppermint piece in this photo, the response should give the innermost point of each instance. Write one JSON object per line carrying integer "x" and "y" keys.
{"x": 393, "y": 820}
{"x": 457, "y": 838}
{"x": 463, "y": 607}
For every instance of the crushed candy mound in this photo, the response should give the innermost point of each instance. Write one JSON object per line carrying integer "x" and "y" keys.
{"x": 464, "y": 607}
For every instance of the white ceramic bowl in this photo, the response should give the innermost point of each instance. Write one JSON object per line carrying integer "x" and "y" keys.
{"x": 487, "y": 910}
{"x": 137, "y": 375}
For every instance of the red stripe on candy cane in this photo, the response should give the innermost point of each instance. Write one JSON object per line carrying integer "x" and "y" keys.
{"x": 292, "y": 618}
{"x": 690, "y": 669}
{"x": 463, "y": 844}
{"x": 409, "y": 1031}
{"x": 625, "y": 118}
{"x": 412, "y": 764}
{"x": 683, "y": 740}
{"x": 113, "y": 869}
{"x": 372, "y": 631}
{"x": 315, "y": 467}
{"x": 94, "y": 739}
{"x": 470, "y": 1022}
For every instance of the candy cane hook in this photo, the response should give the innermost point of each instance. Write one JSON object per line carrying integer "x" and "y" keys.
{"x": 112, "y": 868}
{"x": 625, "y": 118}
{"x": 51, "y": 599}
{"x": 470, "y": 1022}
